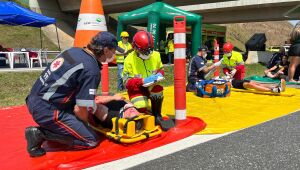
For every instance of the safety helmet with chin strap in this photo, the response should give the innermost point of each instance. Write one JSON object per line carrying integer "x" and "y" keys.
{"x": 228, "y": 47}
{"x": 144, "y": 43}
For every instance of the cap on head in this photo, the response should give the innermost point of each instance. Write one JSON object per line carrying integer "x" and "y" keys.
{"x": 105, "y": 39}
{"x": 124, "y": 34}
{"x": 228, "y": 47}
{"x": 203, "y": 48}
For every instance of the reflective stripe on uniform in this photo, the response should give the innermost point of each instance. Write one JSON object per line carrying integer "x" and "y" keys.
{"x": 87, "y": 103}
{"x": 140, "y": 102}
{"x": 61, "y": 81}
{"x": 156, "y": 94}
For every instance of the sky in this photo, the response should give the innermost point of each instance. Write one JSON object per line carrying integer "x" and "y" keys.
{"x": 294, "y": 22}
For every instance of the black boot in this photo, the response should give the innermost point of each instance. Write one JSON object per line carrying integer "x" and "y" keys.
{"x": 156, "y": 105}
{"x": 66, "y": 141}
{"x": 35, "y": 139}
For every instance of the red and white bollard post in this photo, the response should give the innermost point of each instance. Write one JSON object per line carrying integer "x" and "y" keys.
{"x": 216, "y": 58}
{"x": 179, "y": 67}
{"x": 105, "y": 79}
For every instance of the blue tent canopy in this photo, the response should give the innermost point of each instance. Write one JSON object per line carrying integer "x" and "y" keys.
{"x": 13, "y": 14}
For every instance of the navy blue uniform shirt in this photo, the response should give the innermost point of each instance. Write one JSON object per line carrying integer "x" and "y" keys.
{"x": 197, "y": 64}
{"x": 71, "y": 79}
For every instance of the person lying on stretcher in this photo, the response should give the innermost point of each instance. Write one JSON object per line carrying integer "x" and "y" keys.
{"x": 108, "y": 109}
{"x": 119, "y": 120}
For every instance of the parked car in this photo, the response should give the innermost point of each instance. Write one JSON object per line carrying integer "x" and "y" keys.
{"x": 274, "y": 48}
{"x": 277, "y": 48}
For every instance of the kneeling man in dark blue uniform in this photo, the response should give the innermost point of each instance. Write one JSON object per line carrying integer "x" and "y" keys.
{"x": 69, "y": 82}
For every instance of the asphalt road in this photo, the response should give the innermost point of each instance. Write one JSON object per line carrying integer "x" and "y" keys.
{"x": 271, "y": 145}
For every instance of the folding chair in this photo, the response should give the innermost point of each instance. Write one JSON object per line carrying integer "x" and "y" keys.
{"x": 37, "y": 57}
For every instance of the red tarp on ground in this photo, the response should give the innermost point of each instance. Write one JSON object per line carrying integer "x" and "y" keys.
{"x": 13, "y": 144}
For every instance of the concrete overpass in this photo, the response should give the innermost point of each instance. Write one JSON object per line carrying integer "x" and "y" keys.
{"x": 117, "y": 6}
{"x": 213, "y": 11}
{"x": 246, "y": 11}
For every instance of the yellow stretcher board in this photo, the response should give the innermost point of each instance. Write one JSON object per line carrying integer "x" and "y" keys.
{"x": 124, "y": 130}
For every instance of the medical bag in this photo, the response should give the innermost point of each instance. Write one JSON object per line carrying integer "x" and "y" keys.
{"x": 213, "y": 88}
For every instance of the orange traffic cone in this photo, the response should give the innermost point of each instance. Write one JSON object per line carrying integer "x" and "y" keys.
{"x": 91, "y": 20}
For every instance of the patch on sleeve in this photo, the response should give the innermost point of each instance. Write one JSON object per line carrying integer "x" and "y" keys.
{"x": 93, "y": 91}
{"x": 56, "y": 64}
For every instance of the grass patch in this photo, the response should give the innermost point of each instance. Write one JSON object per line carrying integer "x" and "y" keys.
{"x": 23, "y": 37}
{"x": 15, "y": 86}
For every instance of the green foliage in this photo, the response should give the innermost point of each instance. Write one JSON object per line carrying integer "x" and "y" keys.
{"x": 15, "y": 86}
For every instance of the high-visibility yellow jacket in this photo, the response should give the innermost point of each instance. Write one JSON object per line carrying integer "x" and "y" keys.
{"x": 134, "y": 66}
{"x": 126, "y": 47}
{"x": 170, "y": 46}
{"x": 235, "y": 60}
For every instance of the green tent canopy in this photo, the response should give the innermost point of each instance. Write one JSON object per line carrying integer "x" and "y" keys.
{"x": 157, "y": 17}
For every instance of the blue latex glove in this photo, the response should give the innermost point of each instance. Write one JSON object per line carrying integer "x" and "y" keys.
{"x": 150, "y": 79}
{"x": 159, "y": 74}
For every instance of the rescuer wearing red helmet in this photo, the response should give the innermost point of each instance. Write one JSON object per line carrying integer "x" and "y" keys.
{"x": 143, "y": 66}
{"x": 233, "y": 64}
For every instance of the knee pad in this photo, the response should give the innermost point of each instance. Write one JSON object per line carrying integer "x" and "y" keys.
{"x": 156, "y": 92}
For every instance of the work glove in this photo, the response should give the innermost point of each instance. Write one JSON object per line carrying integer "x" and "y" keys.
{"x": 217, "y": 64}
{"x": 232, "y": 73}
